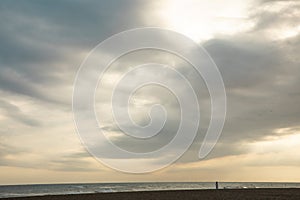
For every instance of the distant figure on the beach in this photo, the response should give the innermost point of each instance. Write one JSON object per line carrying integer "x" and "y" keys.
{"x": 217, "y": 185}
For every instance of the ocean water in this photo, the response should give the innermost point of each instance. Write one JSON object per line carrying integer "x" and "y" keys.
{"x": 55, "y": 189}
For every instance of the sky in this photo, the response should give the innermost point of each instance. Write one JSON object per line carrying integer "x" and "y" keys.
{"x": 254, "y": 43}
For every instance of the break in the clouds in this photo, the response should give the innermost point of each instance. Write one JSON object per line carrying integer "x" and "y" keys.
{"x": 255, "y": 45}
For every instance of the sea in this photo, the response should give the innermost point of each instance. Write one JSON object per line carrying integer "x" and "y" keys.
{"x": 79, "y": 188}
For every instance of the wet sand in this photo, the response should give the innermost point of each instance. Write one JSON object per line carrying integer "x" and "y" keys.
{"x": 291, "y": 193}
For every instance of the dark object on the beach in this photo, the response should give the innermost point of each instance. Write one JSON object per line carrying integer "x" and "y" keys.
{"x": 217, "y": 185}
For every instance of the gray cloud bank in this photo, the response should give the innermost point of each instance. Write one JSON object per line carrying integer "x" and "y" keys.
{"x": 43, "y": 44}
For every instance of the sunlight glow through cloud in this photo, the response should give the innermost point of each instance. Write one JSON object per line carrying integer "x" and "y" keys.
{"x": 286, "y": 139}
{"x": 201, "y": 21}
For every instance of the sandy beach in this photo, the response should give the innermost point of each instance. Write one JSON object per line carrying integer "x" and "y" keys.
{"x": 291, "y": 193}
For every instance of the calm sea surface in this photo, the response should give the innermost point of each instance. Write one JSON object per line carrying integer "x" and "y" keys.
{"x": 55, "y": 189}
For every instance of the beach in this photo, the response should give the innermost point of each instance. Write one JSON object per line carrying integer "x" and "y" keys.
{"x": 287, "y": 193}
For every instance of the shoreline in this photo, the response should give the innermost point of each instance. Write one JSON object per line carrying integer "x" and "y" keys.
{"x": 257, "y": 193}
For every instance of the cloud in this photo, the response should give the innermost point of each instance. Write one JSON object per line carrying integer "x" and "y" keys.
{"x": 261, "y": 78}
{"x": 16, "y": 114}
{"x": 43, "y": 44}
{"x": 78, "y": 161}
{"x": 277, "y": 26}
{"x": 41, "y": 49}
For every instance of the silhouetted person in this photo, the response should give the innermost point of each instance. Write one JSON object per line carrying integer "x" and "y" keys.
{"x": 217, "y": 185}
